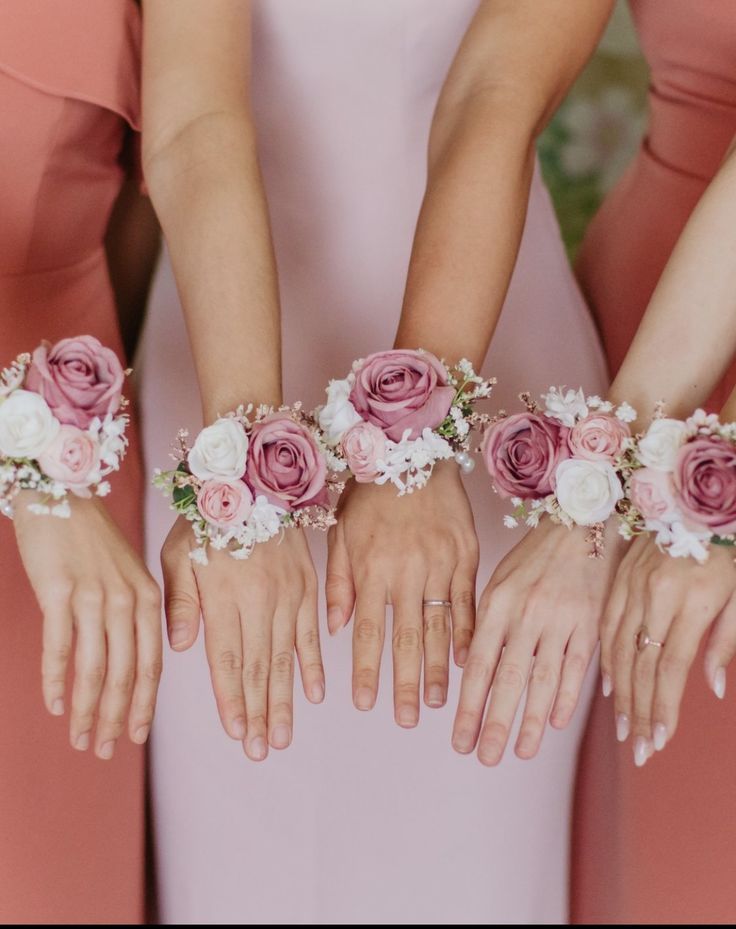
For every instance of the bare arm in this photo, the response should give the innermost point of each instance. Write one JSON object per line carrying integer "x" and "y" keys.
{"x": 514, "y": 67}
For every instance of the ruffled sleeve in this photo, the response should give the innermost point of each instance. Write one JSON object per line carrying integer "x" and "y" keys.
{"x": 83, "y": 49}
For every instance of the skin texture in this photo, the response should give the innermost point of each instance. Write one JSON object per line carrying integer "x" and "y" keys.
{"x": 201, "y": 167}
{"x": 101, "y": 614}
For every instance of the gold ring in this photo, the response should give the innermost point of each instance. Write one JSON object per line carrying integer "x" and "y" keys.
{"x": 642, "y": 639}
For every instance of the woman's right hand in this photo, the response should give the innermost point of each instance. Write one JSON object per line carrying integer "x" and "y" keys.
{"x": 88, "y": 580}
{"x": 256, "y": 613}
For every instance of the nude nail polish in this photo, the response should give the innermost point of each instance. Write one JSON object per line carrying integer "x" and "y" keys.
{"x": 237, "y": 729}
{"x": 719, "y": 683}
{"x": 436, "y": 696}
{"x": 407, "y": 717}
{"x": 57, "y": 707}
{"x": 82, "y": 742}
{"x": 106, "y": 750}
{"x": 622, "y": 727}
{"x": 257, "y": 749}
{"x": 364, "y": 699}
{"x": 660, "y": 736}
{"x": 606, "y": 685}
{"x": 335, "y": 620}
{"x": 281, "y": 737}
{"x": 317, "y": 692}
{"x": 641, "y": 751}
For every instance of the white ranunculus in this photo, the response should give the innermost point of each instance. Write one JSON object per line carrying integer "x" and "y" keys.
{"x": 587, "y": 491}
{"x": 565, "y": 405}
{"x": 27, "y": 425}
{"x": 338, "y": 414}
{"x": 659, "y": 447}
{"x": 220, "y": 451}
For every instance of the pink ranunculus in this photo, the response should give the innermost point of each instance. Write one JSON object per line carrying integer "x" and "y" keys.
{"x": 399, "y": 390}
{"x": 705, "y": 480}
{"x": 73, "y": 459}
{"x": 285, "y": 464}
{"x": 653, "y": 494}
{"x": 79, "y": 379}
{"x": 364, "y": 445}
{"x": 598, "y": 437}
{"x": 225, "y": 503}
{"x": 522, "y": 452}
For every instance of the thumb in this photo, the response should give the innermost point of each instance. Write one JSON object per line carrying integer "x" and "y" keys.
{"x": 181, "y": 597}
{"x": 339, "y": 588}
{"x": 721, "y": 648}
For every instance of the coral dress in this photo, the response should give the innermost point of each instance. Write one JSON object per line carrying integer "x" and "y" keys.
{"x": 71, "y": 827}
{"x": 658, "y": 844}
{"x": 359, "y": 821}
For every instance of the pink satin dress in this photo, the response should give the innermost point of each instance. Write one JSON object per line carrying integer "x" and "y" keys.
{"x": 359, "y": 821}
{"x": 658, "y": 844}
{"x": 71, "y": 827}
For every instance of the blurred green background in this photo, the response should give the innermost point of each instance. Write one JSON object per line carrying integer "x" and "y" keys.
{"x": 597, "y": 129}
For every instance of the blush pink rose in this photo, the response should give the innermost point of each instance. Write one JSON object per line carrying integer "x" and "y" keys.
{"x": 285, "y": 464}
{"x": 705, "y": 479}
{"x": 399, "y": 390}
{"x": 79, "y": 379}
{"x": 653, "y": 494}
{"x": 225, "y": 503}
{"x": 73, "y": 459}
{"x": 598, "y": 437}
{"x": 522, "y": 452}
{"x": 364, "y": 445}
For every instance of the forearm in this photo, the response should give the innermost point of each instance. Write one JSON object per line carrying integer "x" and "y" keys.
{"x": 207, "y": 190}
{"x": 688, "y": 335}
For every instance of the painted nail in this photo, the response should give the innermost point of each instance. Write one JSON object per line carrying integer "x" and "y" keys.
{"x": 237, "y": 729}
{"x": 178, "y": 634}
{"x": 436, "y": 695}
{"x": 257, "y": 749}
{"x": 317, "y": 692}
{"x": 719, "y": 683}
{"x": 622, "y": 727}
{"x": 57, "y": 707}
{"x": 281, "y": 737}
{"x": 407, "y": 717}
{"x": 82, "y": 742}
{"x": 140, "y": 735}
{"x": 106, "y": 750}
{"x": 641, "y": 751}
{"x": 364, "y": 699}
{"x": 660, "y": 736}
{"x": 606, "y": 685}
{"x": 461, "y": 657}
{"x": 335, "y": 620}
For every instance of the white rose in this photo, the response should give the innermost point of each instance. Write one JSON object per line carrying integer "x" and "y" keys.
{"x": 220, "y": 451}
{"x": 338, "y": 414}
{"x": 659, "y": 447}
{"x": 587, "y": 491}
{"x": 27, "y": 425}
{"x": 566, "y": 405}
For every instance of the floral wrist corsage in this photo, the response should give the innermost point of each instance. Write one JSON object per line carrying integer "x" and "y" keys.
{"x": 250, "y": 475}
{"x": 61, "y": 426}
{"x": 563, "y": 457}
{"x": 398, "y": 413}
{"x": 681, "y": 484}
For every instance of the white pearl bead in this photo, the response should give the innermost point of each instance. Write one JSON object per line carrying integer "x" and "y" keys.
{"x": 461, "y": 458}
{"x": 467, "y": 466}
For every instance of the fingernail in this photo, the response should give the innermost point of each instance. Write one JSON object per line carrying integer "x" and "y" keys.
{"x": 364, "y": 699}
{"x": 82, "y": 742}
{"x": 257, "y": 749}
{"x": 622, "y": 727}
{"x": 178, "y": 634}
{"x": 436, "y": 695}
{"x": 660, "y": 736}
{"x": 281, "y": 737}
{"x": 237, "y": 728}
{"x": 641, "y": 751}
{"x": 461, "y": 656}
{"x": 57, "y": 707}
{"x": 407, "y": 717}
{"x": 462, "y": 742}
{"x": 140, "y": 735}
{"x": 106, "y": 750}
{"x": 719, "y": 683}
{"x": 524, "y": 747}
{"x": 317, "y": 692}
{"x": 606, "y": 685}
{"x": 335, "y": 619}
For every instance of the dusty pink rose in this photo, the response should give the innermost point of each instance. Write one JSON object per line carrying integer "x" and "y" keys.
{"x": 522, "y": 452}
{"x": 364, "y": 445}
{"x": 225, "y": 503}
{"x": 653, "y": 494}
{"x": 400, "y": 390}
{"x": 73, "y": 458}
{"x": 598, "y": 437}
{"x": 285, "y": 464}
{"x": 79, "y": 379}
{"x": 705, "y": 479}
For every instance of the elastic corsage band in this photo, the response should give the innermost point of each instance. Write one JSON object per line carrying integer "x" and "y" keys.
{"x": 249, "y": 476}
{"x": 564, "y": 458}
{"x": 681, "y": 484}
{"x": 400, "y": 412}
{"x": 61, "y": 426}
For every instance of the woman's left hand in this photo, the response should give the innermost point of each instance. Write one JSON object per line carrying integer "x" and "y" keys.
{"x": 674, "y": 601}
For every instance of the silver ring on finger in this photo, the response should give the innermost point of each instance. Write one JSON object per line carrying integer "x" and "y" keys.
{"x": 446, "y": 603}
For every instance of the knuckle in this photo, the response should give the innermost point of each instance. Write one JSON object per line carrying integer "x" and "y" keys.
{"x": 463, "y": 599}
{"x": 673, "y": 665}
{"x": 120, "y": 599}
{"x": 142, "y": 712}
{"x": 255, "y": 720}
{"x": 88, "y": 599}
{"x": 149, "y": 596}
{"x": 58, "y": 591}
{"x": 364, "y": 676}
{"x": 435, "y": 622}
{"x": 406, "y": 692}
{"x": 660, "y": 583}
{"x": 179, "y": 603}
{"x": 476, "y": 669}
{"x": 466, "y": 720}
{"x": 494, "y": 732}
{"x": 58, "y": 654}
{"x": 281, "y": 710}
{"x": 576, "y": 664}
{"x": 151, "y": 670}
{"x": 407, "y": 639}
{"x": 282, "y": 664}
{"x": 510, "y": 676}
{"x": 256, "y": 673}
{"x": 111, "y": 721}
{"x": 309, "y": 640}
{"x": 543, "y": 673}
{"x": 229, "y": 661}
{"x": 436, "y": 670}
{"x": 532, "y": 725}
{"x": 93, "y": 676}
{"x": 121, "y": 683}
{"x": 368, "y": 630}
